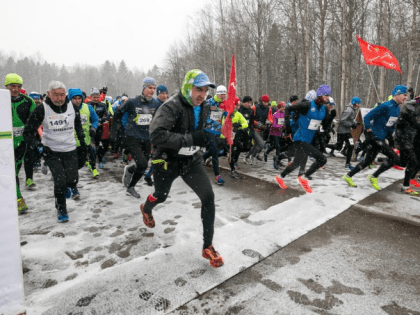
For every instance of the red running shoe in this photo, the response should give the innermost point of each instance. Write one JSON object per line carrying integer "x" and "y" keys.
{"x": 129, "y": 158}
{"x": 148, "y": 219}
{"x": 280, "y": 182}
{"x": 210, "y": 253}
{"x": 305, "y": 184}
{"x": 414, "y": 183}
{"x": 115, "y": 156}
{"x": 398, "y": 167}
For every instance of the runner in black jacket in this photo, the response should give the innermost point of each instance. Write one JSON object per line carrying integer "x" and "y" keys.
{"x": 176, "y": 133}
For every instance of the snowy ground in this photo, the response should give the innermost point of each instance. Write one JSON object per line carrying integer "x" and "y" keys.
{"x": 105, "y": 261}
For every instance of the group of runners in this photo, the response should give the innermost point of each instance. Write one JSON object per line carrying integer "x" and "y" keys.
{"x": 177, "y": 136}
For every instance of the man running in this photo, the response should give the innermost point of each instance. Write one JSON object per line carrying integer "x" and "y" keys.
{"x": 343, "y": 131}
{"x": 139, "y": 111}
{"x": 262, "y": 118}
{"x": 378, "y": 123}
{"x": 311, "y": 114}
{"x": 22, "y": 106}
{"x": 406, "y": 131}
{"x": 59, "y": 119}
{"x": 177, "y": 135}
{"x": 101, "y": 138}
{"x": 90, "y": 124}
{"x": 213, "y": 129}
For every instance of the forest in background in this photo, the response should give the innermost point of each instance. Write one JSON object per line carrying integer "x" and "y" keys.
{"x": 282, "y": 48}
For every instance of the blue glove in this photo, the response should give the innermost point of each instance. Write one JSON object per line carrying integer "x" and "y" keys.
{"x": 40, "y": 148}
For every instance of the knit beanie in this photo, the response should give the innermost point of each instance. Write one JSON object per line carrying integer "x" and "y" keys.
{"x": 323, "y": 90}
{"x": 13, "y": 78}
{"x": 161, "y": 89}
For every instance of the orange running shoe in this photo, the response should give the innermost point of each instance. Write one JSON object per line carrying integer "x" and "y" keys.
{"x": 414, "y": 183}
{"x": 398, "y": 167}
{"x": 410, "y": 191}
{"x": 210, "y": 253}
{"x": 305, "y": 184}
{"x": 280, "y": 182}
{"x": 148, "y": 219}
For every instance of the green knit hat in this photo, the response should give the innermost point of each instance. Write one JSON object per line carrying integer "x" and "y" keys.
{"x": 12, "y": 78}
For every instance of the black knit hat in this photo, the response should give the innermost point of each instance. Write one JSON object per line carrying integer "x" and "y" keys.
{"x": 293, "y": 98}
{"x": 247, "y": 99}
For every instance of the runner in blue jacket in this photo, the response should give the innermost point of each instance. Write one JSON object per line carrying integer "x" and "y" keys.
{"x": 378, "y": 122}
{"x": 311, "y": 114}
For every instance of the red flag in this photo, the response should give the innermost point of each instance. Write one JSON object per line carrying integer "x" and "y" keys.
{"x": 229, "y": 104}
{"x": 378, "y": 56}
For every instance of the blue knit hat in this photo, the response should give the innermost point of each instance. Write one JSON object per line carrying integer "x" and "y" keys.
{"x": 355, "y": 100}
{"x": 399, "y": 89}
{"x": 323, "y": 90}
{"x": 161, "y": 89}
{"x": 75, "y": 92}
{"x": 148, "y": 81}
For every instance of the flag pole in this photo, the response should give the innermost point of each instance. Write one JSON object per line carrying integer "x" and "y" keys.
{"x": 373, "y": 82}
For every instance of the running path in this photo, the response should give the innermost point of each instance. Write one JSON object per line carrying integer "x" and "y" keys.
{"x": 105, "y": 261}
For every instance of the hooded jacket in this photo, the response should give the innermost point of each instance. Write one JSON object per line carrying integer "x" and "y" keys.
{"x": 347, "y": 119}
{"x": 408, "y": 125}
{"x": 172, "y": 126}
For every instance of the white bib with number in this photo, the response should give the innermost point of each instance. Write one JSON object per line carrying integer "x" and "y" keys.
{"x": 57, "y": 121}
{"x": 314, "y": 124}
{"x": 144, "y": 119}
{"x": 280, "y": 121}
{"x": 17, "y": 131}
{"x": 58, "y": 128}
{"x": 189, "y": 150}
{"x": 391, "y": 121}
{"x": 216, "y": 115}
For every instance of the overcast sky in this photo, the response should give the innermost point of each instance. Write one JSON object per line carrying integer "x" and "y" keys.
{"x": 92, "y": 31}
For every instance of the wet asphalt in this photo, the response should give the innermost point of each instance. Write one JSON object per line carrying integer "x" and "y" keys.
{"x": 356, "y": 263}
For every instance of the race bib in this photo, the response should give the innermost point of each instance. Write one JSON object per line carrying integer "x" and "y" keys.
{"x": 391, "y": 121}
{"x": 83, "y": 118}
{"x": 314, "y": 124}
{"x": 216, "y": 115}
{"x": 351, "y": 141}
{"x": 144, "y": 119}
{"x": 188, "y": 150}
{"x": 57, "y": 122}
{"x": 280, "y": 121}
{"x": 17, "y": 131}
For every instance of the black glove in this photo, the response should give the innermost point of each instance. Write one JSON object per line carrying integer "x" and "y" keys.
{"x": 353, "y": 126}
{"x": 92, "y": 132}
{"x": 236, "y": 126}
{"x": 46, "y": 151}
{"x": 199, "y": 138}
{"x": 369, "y": 136}
{"x": 104, "y": 89}
{"x": 83, "y": 151}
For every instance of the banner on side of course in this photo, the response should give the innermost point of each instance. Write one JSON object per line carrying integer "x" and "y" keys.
{"x": 11, "y": 278}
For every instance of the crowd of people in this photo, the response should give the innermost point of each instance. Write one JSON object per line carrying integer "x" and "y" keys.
{"x": 166, "y": 137}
